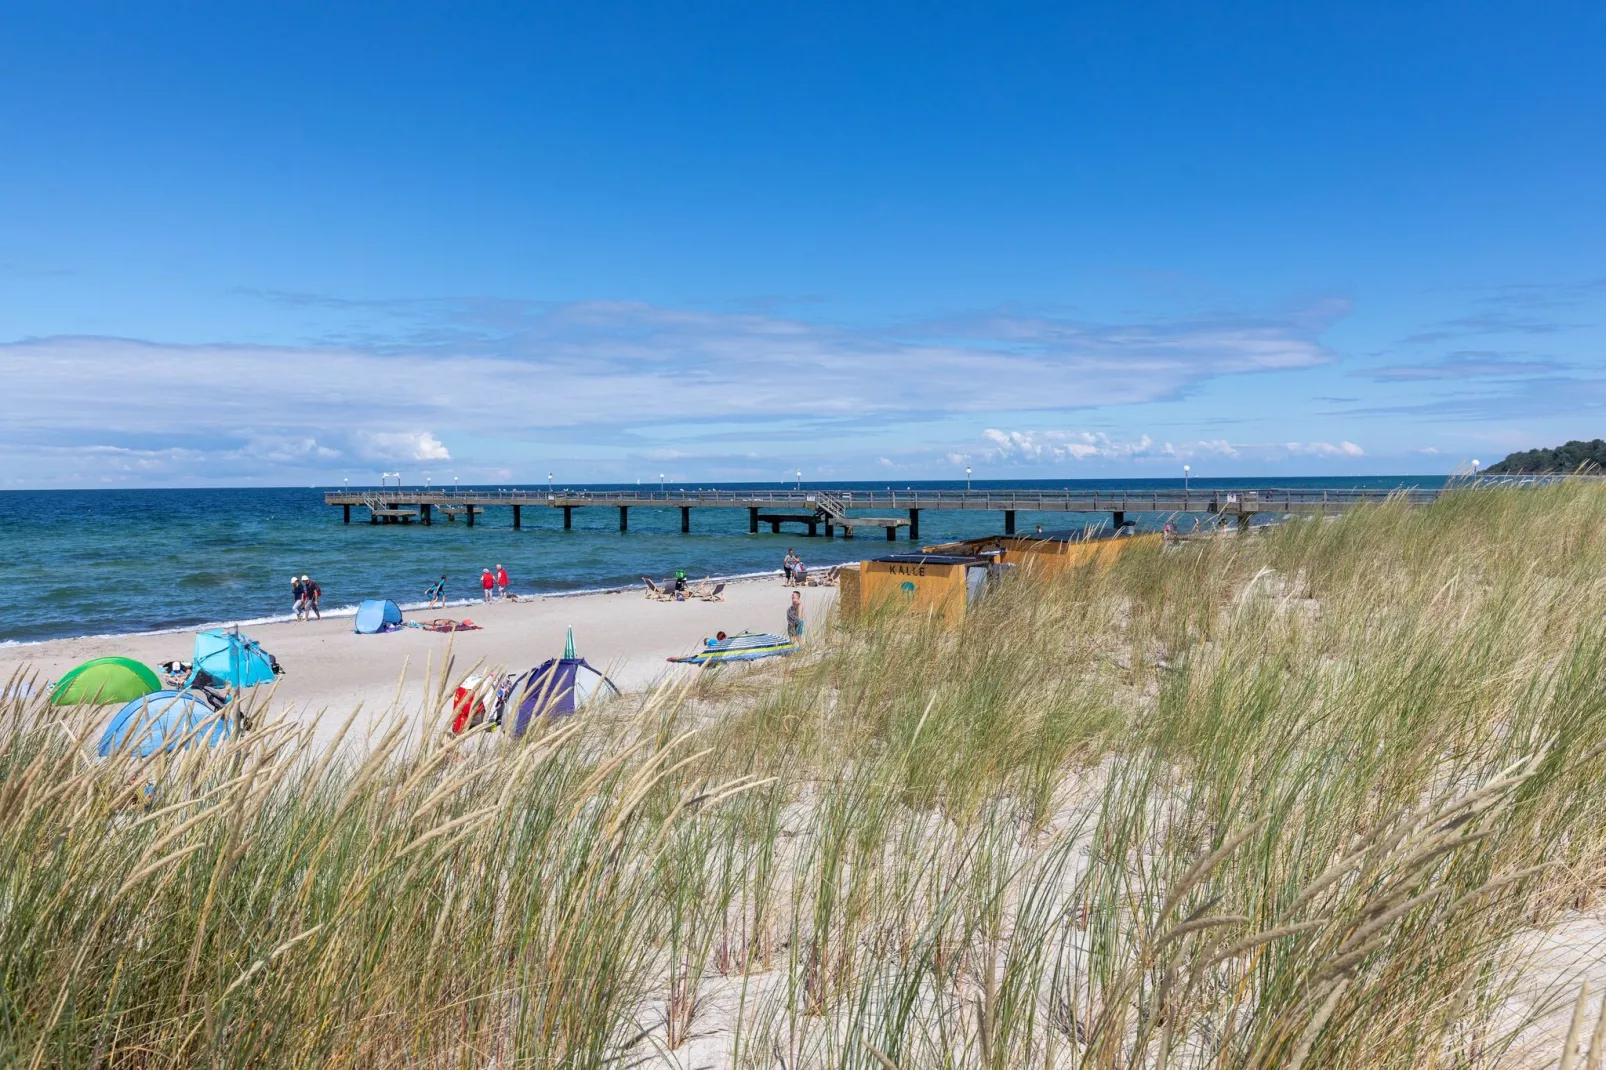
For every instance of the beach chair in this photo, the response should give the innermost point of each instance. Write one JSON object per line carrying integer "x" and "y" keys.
{"x": 830, "y": 577}
{"x": 717, "y": 594}
{"x": 653, "y": 590}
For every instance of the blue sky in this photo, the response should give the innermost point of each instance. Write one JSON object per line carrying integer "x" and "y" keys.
{"x": 293, "y": 243}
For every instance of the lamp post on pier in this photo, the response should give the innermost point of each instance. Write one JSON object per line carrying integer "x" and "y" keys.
{"x": 661, "y": 484}
{"x": 800, "y": 479}
{"x": 1185, "y": 470}
{"x": 549, "y": 484}
{"x": 967, "y": 479}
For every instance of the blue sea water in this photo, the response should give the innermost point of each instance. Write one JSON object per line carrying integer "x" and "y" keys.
{"x": 96, "y": 562}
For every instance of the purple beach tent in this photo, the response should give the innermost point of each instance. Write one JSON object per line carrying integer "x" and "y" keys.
{"x": 557, "y": 687}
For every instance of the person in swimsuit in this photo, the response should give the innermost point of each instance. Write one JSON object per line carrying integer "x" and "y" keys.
{"x": 436, "y": 592}
{"x": 794, "y": 618}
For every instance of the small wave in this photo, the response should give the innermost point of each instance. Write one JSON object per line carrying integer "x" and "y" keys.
{"x": 409, "y": 607}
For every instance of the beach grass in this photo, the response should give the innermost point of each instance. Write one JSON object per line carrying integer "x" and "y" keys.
{"x": 1307, "y": 797}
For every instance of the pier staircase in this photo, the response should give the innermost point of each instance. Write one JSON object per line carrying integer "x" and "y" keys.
{"x": 833, "y": 510}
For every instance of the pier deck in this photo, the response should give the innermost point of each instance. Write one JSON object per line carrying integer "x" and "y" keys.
{"x": 845, "y": 509}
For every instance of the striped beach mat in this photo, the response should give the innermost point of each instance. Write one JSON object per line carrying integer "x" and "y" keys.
{"x": 748, "y": 646}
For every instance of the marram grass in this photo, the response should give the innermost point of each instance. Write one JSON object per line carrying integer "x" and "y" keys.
{"x": 1302, "y": 798}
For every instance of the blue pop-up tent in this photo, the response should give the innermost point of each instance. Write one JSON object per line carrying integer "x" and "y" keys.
{"x": 229, "y": 659}
{"x": 374, "y": 614}
{"x": 166, "y": 720}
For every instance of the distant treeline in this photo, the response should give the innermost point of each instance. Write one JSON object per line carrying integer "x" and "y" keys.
{"x": 1565, "y": 458}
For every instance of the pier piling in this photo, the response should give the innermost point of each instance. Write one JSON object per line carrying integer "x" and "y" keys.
{"x": 624, "y": 518}
{"x": 914, "y": 525}
{"x": 685, "y": 520}
{"x": 1009, "y": 521}
{"x": 568, "y": 517}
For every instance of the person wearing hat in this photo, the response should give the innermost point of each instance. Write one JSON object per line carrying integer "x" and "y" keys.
{"x": 311, "y": 592}
{"x": 298, "y": 598}
{"x": 487, "y": 582}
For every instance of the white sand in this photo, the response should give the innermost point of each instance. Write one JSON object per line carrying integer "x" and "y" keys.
{"x": 329, "y": 667}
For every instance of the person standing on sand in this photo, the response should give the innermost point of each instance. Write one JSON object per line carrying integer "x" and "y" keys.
{"x": 298, "y": 598}
{"x": 311, "y": 592}
{"x": 799, "y": 573}
{"x": 488, "y": 583}
{"x": 788, "y": 564}
{"x": 501, "y": 582}
{"x": 794, "y": 618}
{"x": 436, "y": 592}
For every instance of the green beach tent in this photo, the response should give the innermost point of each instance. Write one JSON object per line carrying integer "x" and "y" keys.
{"x": 103, "y": 681}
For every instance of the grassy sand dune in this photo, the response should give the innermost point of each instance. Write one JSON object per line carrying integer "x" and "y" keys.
{"x": 1324, "y": 796}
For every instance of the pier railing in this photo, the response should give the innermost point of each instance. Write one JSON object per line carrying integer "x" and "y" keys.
{"x": 1022, "y": 500}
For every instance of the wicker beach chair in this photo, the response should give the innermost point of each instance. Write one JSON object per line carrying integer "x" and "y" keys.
{"x": 715, "y": 594}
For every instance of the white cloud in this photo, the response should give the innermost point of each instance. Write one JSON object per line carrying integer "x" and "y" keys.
{"x": 1051, "y": 446}
{"x": 1325, "y": 449}
{"x": 400, "y": 446}
{"x": 1428, "y": 449}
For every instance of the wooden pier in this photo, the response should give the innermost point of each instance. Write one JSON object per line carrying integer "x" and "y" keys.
{"x": 845, "y": 510}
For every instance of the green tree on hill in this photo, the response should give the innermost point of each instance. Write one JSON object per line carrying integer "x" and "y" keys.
{"x": 1565, "y": 458}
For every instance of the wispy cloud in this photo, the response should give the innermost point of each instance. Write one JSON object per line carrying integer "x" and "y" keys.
{"x": 469, "y": 380}
{"x": 1467, "y": 364}
{"x": 1489, "y": 323}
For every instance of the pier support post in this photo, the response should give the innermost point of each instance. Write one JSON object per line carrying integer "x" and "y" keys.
{"x": 685, "y": 520}
{"x": 892, "y": 533}
{"x": 752, "y": 520}
{"x": 471, "y": 516}
{"x": 568, "y": 517}
{"x": 373, "y": 517}
{"x": 914, "y": 524}
{"x": 426, "y": 512}
{"x": 847, "y": 533}
{"x": 516, "y": 518}
{"x": 828, "y": 531}
{"x": 1243, "y": 521}
{"x": 624, "y": 518}
{"x": 346, "y": 512}
{"x": 814, "y": 528}
{"x": 775, "y": 527}
{"x": 1009, "y": 521}
{"x": 1119, "y": 516}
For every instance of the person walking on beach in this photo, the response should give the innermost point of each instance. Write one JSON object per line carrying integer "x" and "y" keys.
{"x": 788, "y": 564}
{"x": 501, "y": 582}
{"x": 311, "y": 592}
{"x": 436, "y": 592}
{"x": 488, "y": 583}
{"x": 298, "y": 598}
{"x": 794, "y": 618}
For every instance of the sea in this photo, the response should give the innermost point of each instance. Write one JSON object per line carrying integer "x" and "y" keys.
{"x": 109, "y": 562}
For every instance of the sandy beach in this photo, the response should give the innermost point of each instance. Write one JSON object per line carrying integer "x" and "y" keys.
{"x": 330, "y": 668}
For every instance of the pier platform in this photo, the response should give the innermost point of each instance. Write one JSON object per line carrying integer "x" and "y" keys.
{"x": 833, "y": 511}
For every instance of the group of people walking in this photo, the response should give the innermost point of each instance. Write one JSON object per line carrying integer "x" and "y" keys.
{"x": 304, "y": 596}
{"x": 494, "y": 584}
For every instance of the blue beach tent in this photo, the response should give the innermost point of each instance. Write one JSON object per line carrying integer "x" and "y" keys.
{"x": 229, "y": 659}
{"x": 163, "y": 721}
{"x": 375, "y": 614}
